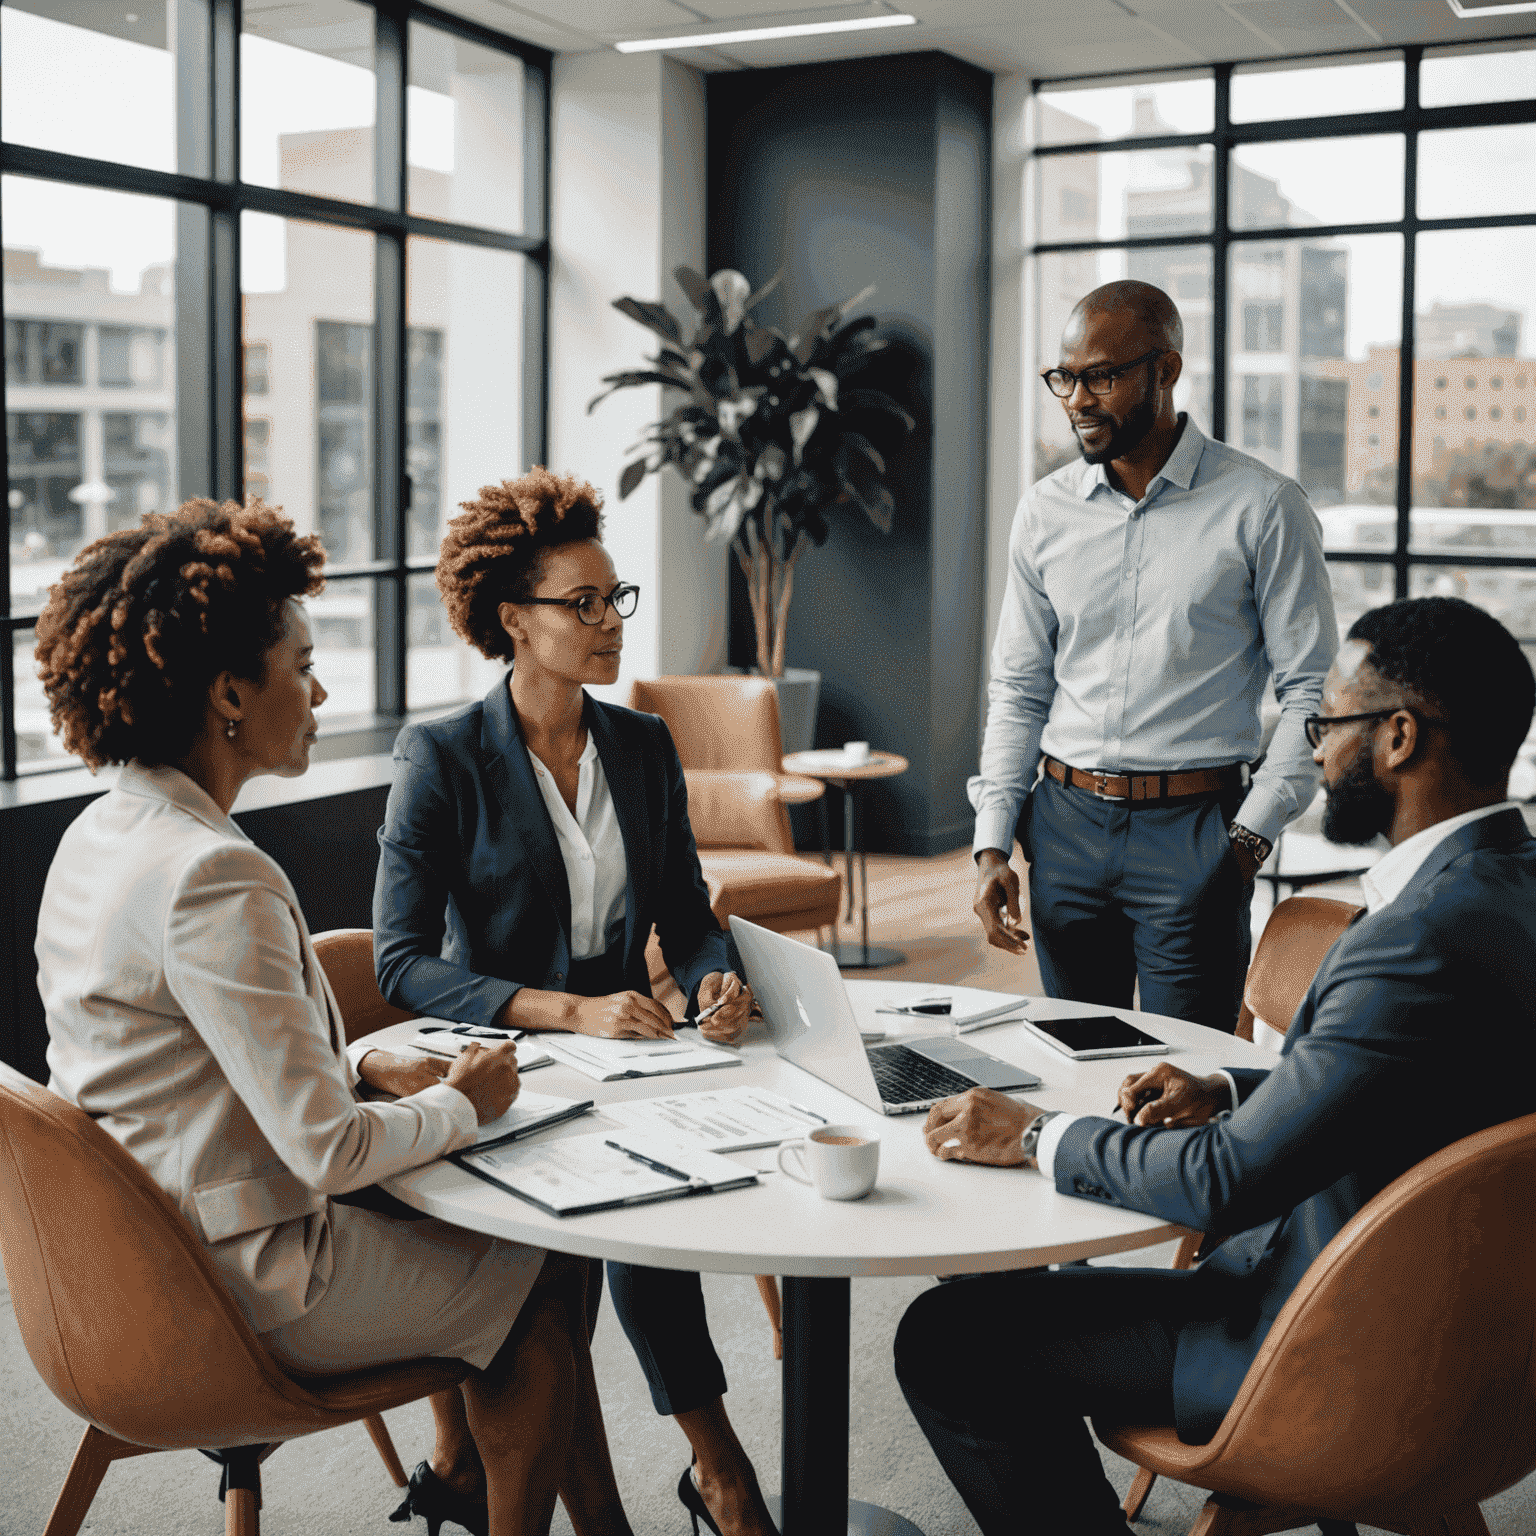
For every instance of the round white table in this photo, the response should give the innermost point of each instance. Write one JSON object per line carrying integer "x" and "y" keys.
{"x": 923, "y": 1218}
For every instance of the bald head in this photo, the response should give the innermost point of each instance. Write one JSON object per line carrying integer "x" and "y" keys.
{"x": 1149, "y": 307}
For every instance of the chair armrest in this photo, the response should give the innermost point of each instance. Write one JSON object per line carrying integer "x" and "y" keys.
{"x": 737, "y": 808}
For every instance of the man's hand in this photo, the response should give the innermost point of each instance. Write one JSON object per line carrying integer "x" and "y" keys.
{"x": 1169, "y": 1096}
{"x": 997, "y": 901}
{"x": 400, "y": 1075}
{"x": 621, "y": 1016}
{"x": 1247, "y": 862}
{"x": 730, "y": 1024}
{"x": 979, "y": 1126}
{"x": 487, "y": 1077}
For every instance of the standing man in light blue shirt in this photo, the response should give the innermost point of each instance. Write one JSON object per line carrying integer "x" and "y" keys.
{"x": 1153, "y": 590}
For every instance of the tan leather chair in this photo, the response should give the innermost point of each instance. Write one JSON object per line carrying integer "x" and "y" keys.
{"x": 130, "y": 1327}
{"x": 1397, "y": 1387}
{"x": 726, "y": 730}
{"x": 1300, "y": 931}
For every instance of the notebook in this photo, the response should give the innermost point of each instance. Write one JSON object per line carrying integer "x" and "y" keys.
{"x": 530, "y": 1112}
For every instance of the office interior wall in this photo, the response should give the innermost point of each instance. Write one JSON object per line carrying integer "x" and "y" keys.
{"x": 627, "y": 195}
{"x": 879, "y": 171}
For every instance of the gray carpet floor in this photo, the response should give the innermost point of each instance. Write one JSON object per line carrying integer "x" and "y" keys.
{"x": 335, "y": 1485}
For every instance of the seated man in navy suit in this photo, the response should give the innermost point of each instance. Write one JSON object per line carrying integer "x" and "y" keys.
{"x": 1386, "y": 1061}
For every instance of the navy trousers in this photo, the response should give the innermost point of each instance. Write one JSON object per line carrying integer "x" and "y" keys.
{"x": 1000, "y": 1370}
{"x": 1121, "y": 894}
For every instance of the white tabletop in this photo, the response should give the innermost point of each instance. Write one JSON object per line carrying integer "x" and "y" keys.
{"x": 923, "y": 1218}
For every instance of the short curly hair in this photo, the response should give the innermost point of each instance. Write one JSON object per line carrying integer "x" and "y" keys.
{"x": 493, "y": 552}
{"x": 1460, "y": 664}
{"x": 147, "y": 617}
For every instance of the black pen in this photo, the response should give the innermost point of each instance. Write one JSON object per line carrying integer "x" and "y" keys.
{"x": 649, "y": 1162}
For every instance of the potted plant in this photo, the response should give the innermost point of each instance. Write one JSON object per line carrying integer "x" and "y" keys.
{"x": 772, "y": 432}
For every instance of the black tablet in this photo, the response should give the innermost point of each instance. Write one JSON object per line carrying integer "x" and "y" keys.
{"x": 1094, "y": 1036}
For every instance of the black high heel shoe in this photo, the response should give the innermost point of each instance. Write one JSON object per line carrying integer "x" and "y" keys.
{"x": 693, "y": 1502}
{"x": 431, "y": 1498}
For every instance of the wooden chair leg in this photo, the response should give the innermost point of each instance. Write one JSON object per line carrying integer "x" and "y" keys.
{"x": 768, "y": 1289}
{"x": 378, "y": 1432}
{"x": 241, "y": 1513}
{"x": 1188, "y": 1246}
{"x": 95, "y": 1453}
{"x": 1141, "y": 1486}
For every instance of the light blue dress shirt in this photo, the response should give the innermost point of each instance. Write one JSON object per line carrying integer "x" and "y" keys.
{"x": 1137, "y": 637}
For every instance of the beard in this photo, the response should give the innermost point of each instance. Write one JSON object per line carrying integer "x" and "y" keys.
{"x": 1138, "y": 421}
{"x": 1358, "y": 809}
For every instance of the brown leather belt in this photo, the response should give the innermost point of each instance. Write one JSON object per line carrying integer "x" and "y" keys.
{"x": 1147, "y": 788}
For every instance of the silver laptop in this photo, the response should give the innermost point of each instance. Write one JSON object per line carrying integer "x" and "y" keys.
{"x": 811, "y": 1023}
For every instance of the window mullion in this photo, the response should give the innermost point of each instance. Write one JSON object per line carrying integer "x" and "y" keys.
{"x": 1221, "y": 239}
{"x": 1411, "y": 61}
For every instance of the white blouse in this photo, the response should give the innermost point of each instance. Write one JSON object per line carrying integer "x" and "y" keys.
{"x": 596, "y": 869}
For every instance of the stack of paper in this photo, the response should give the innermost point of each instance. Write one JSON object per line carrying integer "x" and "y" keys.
{"x": 606, "y": 1061}
{"x": 722, "y": 1119}
{"x": 442, "y": 1037}
{"x": 530, "y": 1112}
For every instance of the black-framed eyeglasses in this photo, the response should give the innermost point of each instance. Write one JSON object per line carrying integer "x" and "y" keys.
{"x": 592, "y": 607}
{"x": 1318, "y": 726}
{"x": 1062, "y": 382}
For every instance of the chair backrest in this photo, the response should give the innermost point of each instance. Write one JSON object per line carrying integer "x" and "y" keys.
{"x": 347, "y": 955}
{"x": 1300, "y": 931}
{"x": 1400, "y": 1377}
{"x": 717, "y": 722}
{"x": 118, "y": 1305}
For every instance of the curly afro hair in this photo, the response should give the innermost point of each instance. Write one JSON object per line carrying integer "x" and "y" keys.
{"x": 1461, "y": 665}
{"x": 493, "y": 552}
{"x": 146, "y": 618}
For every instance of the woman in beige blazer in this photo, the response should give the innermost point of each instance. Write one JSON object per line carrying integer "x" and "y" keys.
{"x": 188, "y": 1013}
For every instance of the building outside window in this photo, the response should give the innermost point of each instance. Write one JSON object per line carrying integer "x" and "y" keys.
{"x": 112, "y": 411}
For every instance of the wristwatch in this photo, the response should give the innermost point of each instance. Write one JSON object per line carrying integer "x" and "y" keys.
{"x": 1031, "y": 1138}
{"x": 1258, "y": 846}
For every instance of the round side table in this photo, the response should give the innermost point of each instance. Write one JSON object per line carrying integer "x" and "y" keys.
{"x": 828, "y": 767}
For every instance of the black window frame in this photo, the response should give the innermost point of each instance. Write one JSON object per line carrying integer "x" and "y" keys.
{"x": 1410, "y": 120}
{"x": 210, "y": 364}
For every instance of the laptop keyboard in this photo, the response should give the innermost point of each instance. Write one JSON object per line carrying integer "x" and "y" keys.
{"x": 903, "y": 1076}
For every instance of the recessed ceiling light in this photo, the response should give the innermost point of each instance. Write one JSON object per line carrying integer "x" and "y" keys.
{"x": 765, "y": 34}
{"x": 1470, "y": 12}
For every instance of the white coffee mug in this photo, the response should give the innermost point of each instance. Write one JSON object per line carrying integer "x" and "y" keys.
{"x": 856, "y": 753}
{"x": 838, "y": 1161}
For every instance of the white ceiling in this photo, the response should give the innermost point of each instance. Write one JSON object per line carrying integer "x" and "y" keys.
{"x": 1029, "y": 37}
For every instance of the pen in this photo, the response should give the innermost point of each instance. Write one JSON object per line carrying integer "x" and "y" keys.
{"x": 804, "y": 1111}
{"x": 965, "y": 1029}
{"x": 649, "y": 1162}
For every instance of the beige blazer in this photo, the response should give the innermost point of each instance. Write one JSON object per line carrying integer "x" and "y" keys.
{"x": 188, "y": 1013}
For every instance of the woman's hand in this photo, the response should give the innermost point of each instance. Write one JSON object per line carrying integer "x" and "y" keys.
{"x": 400, "y": 1075}
{"x": 730, "y": 1024}
{"x": 621, "y": 1016}
{"x": 487, "y": 1076}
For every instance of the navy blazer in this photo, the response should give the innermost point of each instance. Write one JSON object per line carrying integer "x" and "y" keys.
{"x": 1416, "y": 1031}
{"x": 471, "y": 900}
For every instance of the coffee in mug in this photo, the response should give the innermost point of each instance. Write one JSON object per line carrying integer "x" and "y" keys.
{"x": 838, "y": 1161}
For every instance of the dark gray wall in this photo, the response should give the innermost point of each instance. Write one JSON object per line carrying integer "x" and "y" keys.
{"x": 878, "y": 171}
{"x": 327, "y": 846}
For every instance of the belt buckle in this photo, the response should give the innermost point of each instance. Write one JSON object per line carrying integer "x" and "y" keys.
{"x": 1100, "y": 792}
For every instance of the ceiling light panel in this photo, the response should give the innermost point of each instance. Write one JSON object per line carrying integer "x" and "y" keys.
{"x": 717, "y": 36}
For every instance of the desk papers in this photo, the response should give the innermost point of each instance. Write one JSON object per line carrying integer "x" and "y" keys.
{"x": 603, "y": 1172}
{"x": 722, "y": 1119}
{"x": 606, "y": 1061}
{"x": 530, "y": 1112}
{"x": 444, "y": 1038}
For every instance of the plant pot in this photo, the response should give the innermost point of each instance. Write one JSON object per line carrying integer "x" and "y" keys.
{"x": 799, "y": 692}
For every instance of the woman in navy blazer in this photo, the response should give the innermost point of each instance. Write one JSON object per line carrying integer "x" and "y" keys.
{"x": 530, "y": 843}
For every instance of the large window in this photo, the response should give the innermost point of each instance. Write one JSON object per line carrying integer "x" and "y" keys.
{"x": 304, "y": 261}
{"x": 1352, "y": 243}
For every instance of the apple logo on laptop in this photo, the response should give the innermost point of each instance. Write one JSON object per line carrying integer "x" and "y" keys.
{"x": 800, "y": 1009}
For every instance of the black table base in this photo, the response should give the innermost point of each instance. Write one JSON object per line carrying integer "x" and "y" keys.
{"x": 814, "y": 1470}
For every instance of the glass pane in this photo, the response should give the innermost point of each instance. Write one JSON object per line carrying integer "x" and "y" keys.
{"x": 36, "y": 745}
{"x": 1357, "y": 587}
{"x": 90, "y": 371}
{"x": 1314, "y": 339}
{"x": 308, "y": 308}
{"x": 341, "y": 619}
{"x": 1181, "y": 271}
{"x": 1075, "y": 115}
{"x": 1260, "y": 94}
{"x": 439, "y": 667}
{"x": 1464, "y": 172}
{"x": 464, "y": 379}
{"x": 118, "y": 101}
{"x": 1111, "y": 196}
{"x": 307, "y": 97}
{"x": 1317, "y": 181}
{"x": 464, "y": 132}
{"x": 1474, "y": 441}
{"x": 1451, "y": 77}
